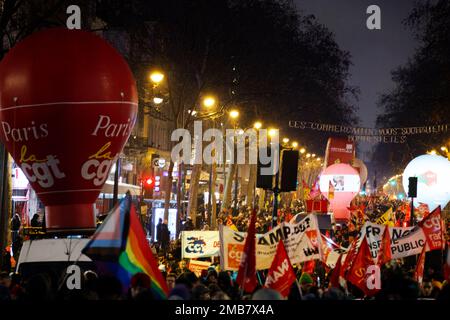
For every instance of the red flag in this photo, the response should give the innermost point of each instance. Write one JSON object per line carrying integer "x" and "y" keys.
{"x": 433, "y": 230}
{"x": 418, "y": 273}
{"x": 334, "y": 280}
{"x": 385, "y": 254}
{"x": 309, "y": 266}
{"x": 358, "y": 272}
{"x": 349, "y": 259}
{"x": 247, "y": 268}
{"x": 281, "y": 274}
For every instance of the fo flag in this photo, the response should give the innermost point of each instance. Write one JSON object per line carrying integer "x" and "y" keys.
{"x": 281, "y": 274}
{"x": 247, "y": 268}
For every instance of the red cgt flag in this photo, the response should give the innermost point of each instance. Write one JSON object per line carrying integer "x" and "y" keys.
{"x": 385, "y": 254}
{"x": 358, "y": 272}
{"x": 247, "y": 269}
{"x": 418, "y": 273}
{"x": 281, "y": 275}
{"x": 432, "y": 226}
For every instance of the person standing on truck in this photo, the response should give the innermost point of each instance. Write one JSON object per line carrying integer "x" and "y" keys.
{"x": 15, "y": 227}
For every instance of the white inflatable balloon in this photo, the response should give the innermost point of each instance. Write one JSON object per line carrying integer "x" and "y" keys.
{"x": 433, "y": 180}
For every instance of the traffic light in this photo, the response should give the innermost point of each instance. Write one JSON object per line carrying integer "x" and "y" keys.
{"x": 148, "y": 184}
{"x": 289, "y": 170}
{"x": 412, "y": 187}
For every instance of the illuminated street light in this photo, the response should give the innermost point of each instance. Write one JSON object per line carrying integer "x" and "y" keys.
{"x": 209, "y": 101}
{"x": 158, "y": 100}
{"x": 433, "y": 152}
{"x": 156, "y": 77}
{"x": 294, "y": 144}
{"x": 313, "y": 155}
{"x": 273, "y": 132}
{"x": 308, "y": 155}
{"x": 444, "y": 149}
{"x": 318, "y": 159}
{"x": 234, "y": 114}
{"x": 257, "y": 125}
{"x": 285, "y": 140}
{"x": 302, "y": 150}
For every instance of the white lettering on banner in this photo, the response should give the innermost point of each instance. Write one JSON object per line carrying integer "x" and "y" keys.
{"x": 299, "y": 246}
{"x": 281, "y": 270}
{"x": 404, "y": 241}
{"x": 198, "y": 244}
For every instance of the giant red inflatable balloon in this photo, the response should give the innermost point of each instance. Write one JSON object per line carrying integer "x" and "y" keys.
{"x": 68, "y": 103}
{"x": 346, "y": 184}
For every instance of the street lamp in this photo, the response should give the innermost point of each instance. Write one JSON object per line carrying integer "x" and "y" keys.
{"x": 257, "y": 125}
{"x": 285, "y": 140}
{"x": 308, "y": 155}
{"x": 272, "y": 132}
{"x": 294, "y": 144}
{"x": 209, "y": 101}
{"x": 156, "y": 77}
{"x": 302, "y": 150}
{"x": 234, "y": 114}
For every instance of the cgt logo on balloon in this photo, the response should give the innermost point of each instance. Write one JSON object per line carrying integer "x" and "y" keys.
{"x": 64, "y": 123}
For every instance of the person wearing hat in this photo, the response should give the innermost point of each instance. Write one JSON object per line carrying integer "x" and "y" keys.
{"x": 306, "y": 282}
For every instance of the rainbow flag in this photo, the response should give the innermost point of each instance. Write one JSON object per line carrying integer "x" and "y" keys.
{"x": 120, "y": 248}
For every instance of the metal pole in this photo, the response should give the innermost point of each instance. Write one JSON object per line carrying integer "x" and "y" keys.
{"x": 116, "y": 182}
{"x": 236, "y": 191}
{"x": 411, "y": 218}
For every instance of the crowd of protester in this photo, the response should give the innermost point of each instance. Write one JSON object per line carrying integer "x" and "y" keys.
{"x": 217, "y": 284}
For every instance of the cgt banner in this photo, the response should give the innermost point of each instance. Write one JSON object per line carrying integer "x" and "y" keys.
{"x": 199, "y": 244}
{"x": 301, "y": 238}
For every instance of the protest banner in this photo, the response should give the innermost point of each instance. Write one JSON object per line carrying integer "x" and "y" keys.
{"x": 331, "y": 251}
{"x": 197, "y": 266}
{"x": 199, "y": 244}
{"x": 300, "y": 245}
{"x": 407, "y": 241}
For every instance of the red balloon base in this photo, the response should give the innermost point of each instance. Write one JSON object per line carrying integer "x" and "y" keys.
{"x": 70, "y": 218}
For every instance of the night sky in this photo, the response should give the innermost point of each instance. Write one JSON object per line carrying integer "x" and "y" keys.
{"x": 374, "y": 52}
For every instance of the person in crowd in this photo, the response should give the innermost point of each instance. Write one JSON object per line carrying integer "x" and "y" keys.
{"x": 140, "y": 287}
{"x": 427, "y": 290}
{"x": 5, "y": 284}
{"x": 200, "y": 292}
{"x": 306, "y": 283}
{"x": 109, "y": 288}
{"x": 35, "y": 223}
{"x": 15, "y": 226}
{"x": 170, "y": 280}
{"x": 267, "y": 294}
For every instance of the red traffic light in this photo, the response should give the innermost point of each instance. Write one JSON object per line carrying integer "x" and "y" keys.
{"x": 148, "y": 181}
